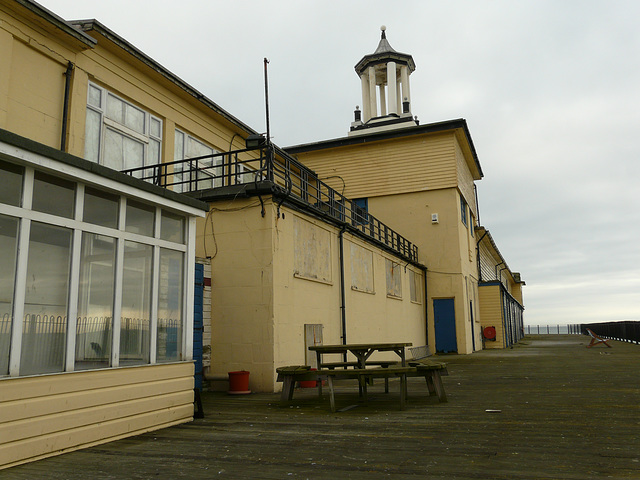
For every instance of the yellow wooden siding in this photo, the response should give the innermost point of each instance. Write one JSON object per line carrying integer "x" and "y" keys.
{"x": 465, "y": 179}
{"x": 491, "y": 313}
{"x": 407, "y": 164}
{"x": 45, "y": 415}
{"x": 487, "y": 264}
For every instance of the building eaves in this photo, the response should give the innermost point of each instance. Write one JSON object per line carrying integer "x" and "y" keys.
{"x": 94, "y": 25}
{"x": 457, "y": 124}
{"x": 32, "y": 146}
{"x": 482, "y": 233}
{"x": 57, "y": 22}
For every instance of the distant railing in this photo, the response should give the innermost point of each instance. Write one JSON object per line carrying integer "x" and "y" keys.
{"x": 622, "y": 331}
{"x": 573, "y": 329}
{"x": 289, "y": 178}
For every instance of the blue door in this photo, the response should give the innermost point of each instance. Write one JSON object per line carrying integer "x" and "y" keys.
{"x": 198, "y": 325}
{"x": 444, "y": 316}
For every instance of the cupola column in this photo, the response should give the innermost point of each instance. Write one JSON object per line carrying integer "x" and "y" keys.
{"x": 406, "y": 91}
{"x": 373, "y": 103}
{"x": 392, "y": 87}
{"x": 366, "y": 102}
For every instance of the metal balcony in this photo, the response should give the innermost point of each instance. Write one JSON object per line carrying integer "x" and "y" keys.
{"x": 288, "y": 179}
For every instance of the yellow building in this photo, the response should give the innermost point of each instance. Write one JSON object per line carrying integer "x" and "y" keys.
{"x": 94, "y": 356}
{"x": 419, "y": 179}
{"x": 500, "y": 290}
{"x": 98, "y": 336}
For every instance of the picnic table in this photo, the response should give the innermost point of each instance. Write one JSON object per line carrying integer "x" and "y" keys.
{"x": 362, "y": 352}
{"x": 341, "y": 370}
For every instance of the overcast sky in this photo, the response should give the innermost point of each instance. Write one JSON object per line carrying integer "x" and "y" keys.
{"x": 550, "y": 91}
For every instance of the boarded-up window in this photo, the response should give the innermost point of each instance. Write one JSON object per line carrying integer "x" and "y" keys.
{"x": 415, "y": 284}
{"x": 312, "y": 251}
{"x": 361, "y": 269}
{"x": 394, "y": 280}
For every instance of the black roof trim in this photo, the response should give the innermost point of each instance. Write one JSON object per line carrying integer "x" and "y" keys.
{"x": 63, "y": 157}
{"x": 57, "y": 21}
{"x": 459, "y": 123}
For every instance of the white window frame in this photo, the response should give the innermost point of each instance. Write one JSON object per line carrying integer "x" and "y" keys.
{"x": 216, "y": 180}
{"x": 107, "y": 123}
{"x": 78, "y": 226}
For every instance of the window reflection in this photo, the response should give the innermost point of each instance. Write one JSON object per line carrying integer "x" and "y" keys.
{"x": 45, "y": 309}
{"x": 53, "y": 195}
{"x": 95, "y": 302}
{"x": 136, "y": 304}
{"x": 100, "y": 208}
{"x": 8, "y": 238}
{"x": 172, "y": 227}
{"x": 170, "y": 306}
{"x": 140, "y": 218}
{"x": 11, "y": 181}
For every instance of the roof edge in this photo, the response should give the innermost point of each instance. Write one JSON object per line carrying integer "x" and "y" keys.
{"x": 94, "y": 25}
{"x": 32, "y": 146}
{"x": 58, "y": 22}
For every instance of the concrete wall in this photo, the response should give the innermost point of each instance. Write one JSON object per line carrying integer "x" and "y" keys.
{"x": 47, "y": 415}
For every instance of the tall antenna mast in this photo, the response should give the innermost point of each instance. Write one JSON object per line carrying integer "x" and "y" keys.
{"x": 266, "y": 99}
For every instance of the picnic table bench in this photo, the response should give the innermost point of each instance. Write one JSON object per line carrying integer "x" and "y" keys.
{"x": 432, "y": 372}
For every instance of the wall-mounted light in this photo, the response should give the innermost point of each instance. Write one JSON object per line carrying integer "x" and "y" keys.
{"x": 255, "y": 141}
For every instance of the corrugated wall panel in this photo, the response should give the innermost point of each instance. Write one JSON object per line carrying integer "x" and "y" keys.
{"x": 45, "y": 415}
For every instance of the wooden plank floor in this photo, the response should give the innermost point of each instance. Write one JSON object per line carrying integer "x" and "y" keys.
{"x": 564, "y": 412}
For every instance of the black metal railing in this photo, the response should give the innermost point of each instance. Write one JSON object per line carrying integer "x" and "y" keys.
{"x": 288, "y": 176}
{"x": 628, "y": 331}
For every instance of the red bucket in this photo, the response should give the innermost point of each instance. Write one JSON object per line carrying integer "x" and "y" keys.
{"x": 239, "y": 383}
{"x": 308, "y": 383}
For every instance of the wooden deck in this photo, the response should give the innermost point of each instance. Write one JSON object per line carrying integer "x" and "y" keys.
{"x": 561, "y": 411}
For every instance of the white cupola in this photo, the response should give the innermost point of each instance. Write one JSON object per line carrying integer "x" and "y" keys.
{"x": 386, "y": 94}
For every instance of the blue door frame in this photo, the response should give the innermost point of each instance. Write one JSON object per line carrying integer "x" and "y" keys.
{"x": 444, "y": 316}
{"x": 198, "y": 325}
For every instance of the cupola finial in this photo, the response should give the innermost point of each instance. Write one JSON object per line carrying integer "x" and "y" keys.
{"x": 383, "y": 34}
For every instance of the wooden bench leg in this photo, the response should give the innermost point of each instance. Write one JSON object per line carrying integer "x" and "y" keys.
{"x": 430, "y": 386}
{"x": 331, "y": 393}
{"x": 362, "y": 381}
{"x": 403, "y": 391}
{"x": 288, "y": 385}
{"x": 437, "y": 383}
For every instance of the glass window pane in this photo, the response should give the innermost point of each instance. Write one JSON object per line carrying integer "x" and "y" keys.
{"x": 136, "y": 304}
{"x": 169, "y": 344}
{"x": 92, "y": 135}
{"x": 132, "y": 153}
{"x": 140, "y": 218}
{"x": 134, "y": 118}
{"x": 122, "y": 152}
{"x": 100, "y": 208}
{"x": 156, "y": 127}
{"x": 11, "y": 183}
{"x": 115, "y": 109}
{"x": 95, "y": 96}
{"x": 172, "y": 227}
{"x": 53, "y": 195}
{"x": 154, "y": 152}
{"x": 8, "y": 243}
{"x": 178, "y": 154}
{"x": 44, "y": 328}
{"x": 95, "y": 302}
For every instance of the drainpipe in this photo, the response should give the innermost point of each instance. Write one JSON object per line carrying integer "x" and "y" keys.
{"x": 343, "y": 309}
{"x": 65, "y": 109}
{"x": 426, "y": 308}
